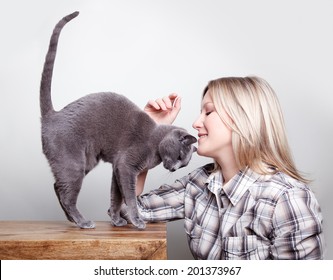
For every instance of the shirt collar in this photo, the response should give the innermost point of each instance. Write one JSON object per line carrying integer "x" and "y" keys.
{"x": 215, "y": 182}
{"x": 236, "y": 187}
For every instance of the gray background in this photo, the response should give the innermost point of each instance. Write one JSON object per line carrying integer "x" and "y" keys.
{"x": 148, "y": 49}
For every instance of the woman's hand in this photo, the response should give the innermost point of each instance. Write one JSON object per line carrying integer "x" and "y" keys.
{"x": 164, "y": 110}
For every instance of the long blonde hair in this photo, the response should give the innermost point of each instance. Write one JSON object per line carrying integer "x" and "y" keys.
{"x": 258, "y": 132}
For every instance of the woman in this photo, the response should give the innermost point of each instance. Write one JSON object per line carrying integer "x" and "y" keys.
{"x": 252, "y": 203}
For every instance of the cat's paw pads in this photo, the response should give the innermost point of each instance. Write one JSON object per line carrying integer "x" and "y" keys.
{"x": 87, "y": 224}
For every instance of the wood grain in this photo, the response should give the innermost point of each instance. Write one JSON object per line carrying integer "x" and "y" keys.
{"x": 63, "y": 240}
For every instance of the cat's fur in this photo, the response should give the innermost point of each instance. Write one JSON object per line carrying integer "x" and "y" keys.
{"x": 109, "y": 127}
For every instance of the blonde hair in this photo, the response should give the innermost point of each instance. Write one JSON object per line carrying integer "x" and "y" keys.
{"x": 258, "y": 132}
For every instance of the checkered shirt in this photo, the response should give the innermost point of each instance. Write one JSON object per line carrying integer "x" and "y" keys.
{"x": 253, "y": 216}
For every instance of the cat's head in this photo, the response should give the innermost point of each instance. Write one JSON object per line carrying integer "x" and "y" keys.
{"x": 176, "y": 149}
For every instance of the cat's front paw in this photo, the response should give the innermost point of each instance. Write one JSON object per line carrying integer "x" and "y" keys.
{"x": 119, "y": 222}
{"x": 139, "y": 223}
{"x": 86, "y": 224}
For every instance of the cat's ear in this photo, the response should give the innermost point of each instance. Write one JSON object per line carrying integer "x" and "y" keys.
{"x": 187, "y": 139}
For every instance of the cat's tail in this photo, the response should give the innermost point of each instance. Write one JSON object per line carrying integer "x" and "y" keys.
{"x": 46, "y": 106}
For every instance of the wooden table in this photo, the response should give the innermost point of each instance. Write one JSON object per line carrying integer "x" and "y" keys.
{"x": 62, "y": 240}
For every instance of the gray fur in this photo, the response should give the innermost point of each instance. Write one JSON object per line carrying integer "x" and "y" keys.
{"x": 104, "y": 126}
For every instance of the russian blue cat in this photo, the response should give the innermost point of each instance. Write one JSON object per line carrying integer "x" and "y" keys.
{"x": 104, "y": 126}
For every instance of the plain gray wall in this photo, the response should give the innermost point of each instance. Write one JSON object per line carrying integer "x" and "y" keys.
{"x": 148, "y": 49}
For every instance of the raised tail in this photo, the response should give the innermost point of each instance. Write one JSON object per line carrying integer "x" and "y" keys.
{"x": 46, "y": 106}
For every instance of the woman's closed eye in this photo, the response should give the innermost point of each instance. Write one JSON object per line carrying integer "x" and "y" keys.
{"x": 208, "y": 108}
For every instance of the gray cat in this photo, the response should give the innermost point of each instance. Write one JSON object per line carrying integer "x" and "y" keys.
{"x": 104, "y": 126}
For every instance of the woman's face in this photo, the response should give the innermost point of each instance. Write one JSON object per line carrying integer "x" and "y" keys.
{"x": 214, "y": 135}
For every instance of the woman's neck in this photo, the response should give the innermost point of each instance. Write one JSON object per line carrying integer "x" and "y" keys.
{"x": 228, "y": 166}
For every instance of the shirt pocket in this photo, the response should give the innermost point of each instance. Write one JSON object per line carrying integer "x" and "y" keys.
{"x": 240, "y": 248}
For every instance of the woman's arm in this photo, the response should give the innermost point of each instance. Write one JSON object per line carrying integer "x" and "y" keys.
{"x": 297, "y": 226}
{"x": 140, "y": 182}
{"x": 165, "y": 203}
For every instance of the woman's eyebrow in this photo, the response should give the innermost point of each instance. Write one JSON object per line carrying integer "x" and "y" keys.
{"x": 205, "y": 104}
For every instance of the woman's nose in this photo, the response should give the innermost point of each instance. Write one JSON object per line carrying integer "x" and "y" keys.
{"x": 197, "y": 123}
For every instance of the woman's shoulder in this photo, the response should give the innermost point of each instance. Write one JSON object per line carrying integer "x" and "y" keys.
{"x": 203, "y": 171}
{"x": 280, "y": 184}
{"x": 286, "y": 182}
{"x": 198, "y": 176}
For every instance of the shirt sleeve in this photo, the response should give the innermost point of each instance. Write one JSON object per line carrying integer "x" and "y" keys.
{"x": 297, "y": 226}
{"x": 163, "y": 204}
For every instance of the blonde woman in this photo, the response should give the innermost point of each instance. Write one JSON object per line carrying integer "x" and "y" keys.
{"x": 251, "y": 203}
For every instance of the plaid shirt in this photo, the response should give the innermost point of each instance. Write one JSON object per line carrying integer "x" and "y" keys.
{"x": 253, "y": 216}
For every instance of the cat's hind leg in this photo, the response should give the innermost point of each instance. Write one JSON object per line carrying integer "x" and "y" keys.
{"x": 116, "y": 202}
{"x": 67, "y": 187}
